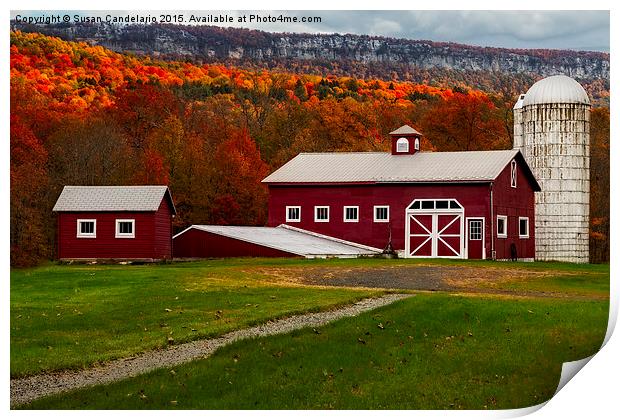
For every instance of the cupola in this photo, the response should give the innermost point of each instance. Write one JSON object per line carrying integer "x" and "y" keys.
{"x": 405, "y": 140}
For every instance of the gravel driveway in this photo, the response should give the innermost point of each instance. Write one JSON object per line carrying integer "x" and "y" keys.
{"x": 24, "y": 390}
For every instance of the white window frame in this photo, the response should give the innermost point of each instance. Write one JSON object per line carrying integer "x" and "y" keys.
{"x": 505, "y": 233}
{"x": 402, "y": 142}
{"x": 344, "y": 214}
{"x": 513, "y": 173}
{"x": 118, "y": 234}
{"x": 374, "y": 214}
{"x": 316, "y": 211}
{"x": 86, "y": 235}
{"x": 527, "y": 234}
{"x": 417, "y": 143}
{"x": 288, "y": 219}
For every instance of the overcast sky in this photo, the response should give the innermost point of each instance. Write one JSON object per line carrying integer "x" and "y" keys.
{"x": 577, "y": 30}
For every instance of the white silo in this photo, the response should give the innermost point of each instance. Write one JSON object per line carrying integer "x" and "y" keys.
{"x": 552, "y": 130}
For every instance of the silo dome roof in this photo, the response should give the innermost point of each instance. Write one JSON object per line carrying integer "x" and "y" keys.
{"x": 556, "y": 89}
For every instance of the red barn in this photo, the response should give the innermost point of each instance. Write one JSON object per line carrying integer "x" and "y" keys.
{"x": 426, "y": 204}
{"x": 115, "y": 222}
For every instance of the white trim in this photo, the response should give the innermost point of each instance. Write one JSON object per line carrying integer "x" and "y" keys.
{"x": 344, "y": 214}
{"x": 316, "y": 208}
{"x": 513, "y": 173}
{"x": 402, "y": 142}
{"x": 79, "y": 234}
{"x": 527, "y": 235}
{"x": 293, "y": 220}
{"x": 435, "y": 209}
{"x": 505, "y": 219}
{"x": 374, "y": 214}
{"x": 484, "y": 239}
{"x": 118, "y": 234}
{"x": 434, "y": 234}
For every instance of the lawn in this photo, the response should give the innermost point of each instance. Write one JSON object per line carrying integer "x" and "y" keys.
{"x": 430, "y": 351}
{"x": 73, "y": 316}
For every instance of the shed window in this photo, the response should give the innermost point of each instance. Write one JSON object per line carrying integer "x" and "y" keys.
{"x": 382, "y": 213}
{"x": 513, "y": 174}
{"x": 417, "y": 143}
{"x": 293, "y": 213}
{"x": 502, "y": 226}
{"x": 524, "y": 227}
{"x": 321, "y": 213}
{"x": 402, "y": 145}
{"x": 351, "y": 213}
{"x": 87, "y": 228}
{"x": 125, "y": 228}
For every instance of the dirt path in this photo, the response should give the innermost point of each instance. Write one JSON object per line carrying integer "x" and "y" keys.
{"x": 473, "y": 280}
{"x": 24, "y": 390}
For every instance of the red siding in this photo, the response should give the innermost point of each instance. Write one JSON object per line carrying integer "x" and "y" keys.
{"x": 474, "y": 197}
{"x": 196, "y": 243}
{"x": 153, "y": 235}
{"x": 514, "y": 203}
{"x": 163, "y": 231}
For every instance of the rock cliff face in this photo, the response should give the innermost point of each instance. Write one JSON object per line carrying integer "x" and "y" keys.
{"x": 208, "y": 43}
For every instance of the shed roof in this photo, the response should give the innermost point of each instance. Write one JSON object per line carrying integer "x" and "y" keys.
{"x": 113, "y": 198}
{"x": 290, "y": 239}
{"x": 373, "y": 167}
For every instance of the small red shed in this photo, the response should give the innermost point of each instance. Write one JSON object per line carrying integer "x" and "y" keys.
{"x": 477, "y": 204}
{"x": 115, "y": 222}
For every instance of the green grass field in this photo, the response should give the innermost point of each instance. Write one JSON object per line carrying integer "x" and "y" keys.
{"x": 431, "y": 351}
{"x": 469, "y": 349}
{"x": 74, "y": 316}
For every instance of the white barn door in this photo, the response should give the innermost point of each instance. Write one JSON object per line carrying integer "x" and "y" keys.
{"x": 435, "y": 229}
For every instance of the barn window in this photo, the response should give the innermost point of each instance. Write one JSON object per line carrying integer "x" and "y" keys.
{"x": 382, "y": 213}
{"x": 475, "y": 230}
{"x": 125, "y": 228}
{"x": 293, "y": 213}
{"x": 87, "y": 228}
{"x": 321, "y": 213}
{"x": 351, "y": 213}
{"x": 402, "y": 145}
{"x": 524, "y": 227}
{"x": 513, "y": 174}
{"x": 502, "y": 226}
{"x": 417, "y": 143}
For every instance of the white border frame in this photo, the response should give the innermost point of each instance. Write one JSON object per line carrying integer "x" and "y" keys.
{"x": 484, "y": 238}
{"x": 86, "y": 235}
{"x": 315, "y": 214}
{"x": 293, "y": 220}
{"x": 344, "y": 214}
{"x": 374, "y": 214}
{"x": 125, "y": 235}
{"x": 505, "y": 219}
{"x": 513, "y": 173}
{"x": 527, "y": 235}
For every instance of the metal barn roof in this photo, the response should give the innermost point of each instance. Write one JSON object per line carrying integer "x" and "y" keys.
{"x": 556, "y": 89}
{"x": 112, "y": 198}
{"x": 290, "y": 239}
{"x": 373, "y": 167}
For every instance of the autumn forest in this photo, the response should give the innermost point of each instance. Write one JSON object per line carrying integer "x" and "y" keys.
{"x": 84, "y": 115}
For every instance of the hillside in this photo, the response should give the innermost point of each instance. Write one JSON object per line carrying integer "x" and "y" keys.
{"x": 493, "y": 70}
